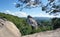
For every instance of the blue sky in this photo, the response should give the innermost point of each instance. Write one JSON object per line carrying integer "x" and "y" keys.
{"x": 8, "y": 7}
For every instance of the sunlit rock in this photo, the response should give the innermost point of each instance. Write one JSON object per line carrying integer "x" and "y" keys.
{"x": 8, "y": 29}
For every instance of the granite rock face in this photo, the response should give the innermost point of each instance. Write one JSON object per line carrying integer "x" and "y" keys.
{"x": 32, "y": 21}
{"x": 8, "y": 29}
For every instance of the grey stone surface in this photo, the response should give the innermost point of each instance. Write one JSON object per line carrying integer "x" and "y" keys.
{"x": 32, "y": 22}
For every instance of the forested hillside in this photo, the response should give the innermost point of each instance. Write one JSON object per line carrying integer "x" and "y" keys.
{"x": 19, "y": 22}
{"x": 26, "y": 29}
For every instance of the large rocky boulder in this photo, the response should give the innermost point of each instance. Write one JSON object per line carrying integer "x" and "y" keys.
{"x": 32, "y": 22}
{"x": 8, "y": 29}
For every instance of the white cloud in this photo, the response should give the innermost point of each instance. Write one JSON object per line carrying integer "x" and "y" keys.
{"x": 24, "y": 14}
{"x": 44, "y": 15}
{"x": 47, "y": 15}
{"x": 8, "y": 12}
{"x": 19, "y": 14}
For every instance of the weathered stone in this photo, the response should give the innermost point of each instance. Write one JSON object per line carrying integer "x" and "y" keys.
{"x": 32, "y": 21}
{"x": 8, "y": 29}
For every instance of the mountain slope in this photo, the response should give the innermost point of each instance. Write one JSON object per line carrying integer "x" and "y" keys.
{"x": 23, "y": 26}
{"x": 19, "y": 22}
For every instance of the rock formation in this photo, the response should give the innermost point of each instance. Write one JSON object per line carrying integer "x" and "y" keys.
{"x": 8, "y": 29}
{"x": 32, "y": 22}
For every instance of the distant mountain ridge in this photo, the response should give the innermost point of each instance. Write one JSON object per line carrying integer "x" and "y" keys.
{"x": 42, "y": 18}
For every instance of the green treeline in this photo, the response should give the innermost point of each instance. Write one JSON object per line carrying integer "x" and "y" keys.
{"x": 26, "y": 29}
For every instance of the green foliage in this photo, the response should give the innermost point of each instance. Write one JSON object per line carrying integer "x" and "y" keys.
{"x": 19, "y": 22}
{"x": 23, "y": 26}
{"x": 56, "y": 23}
